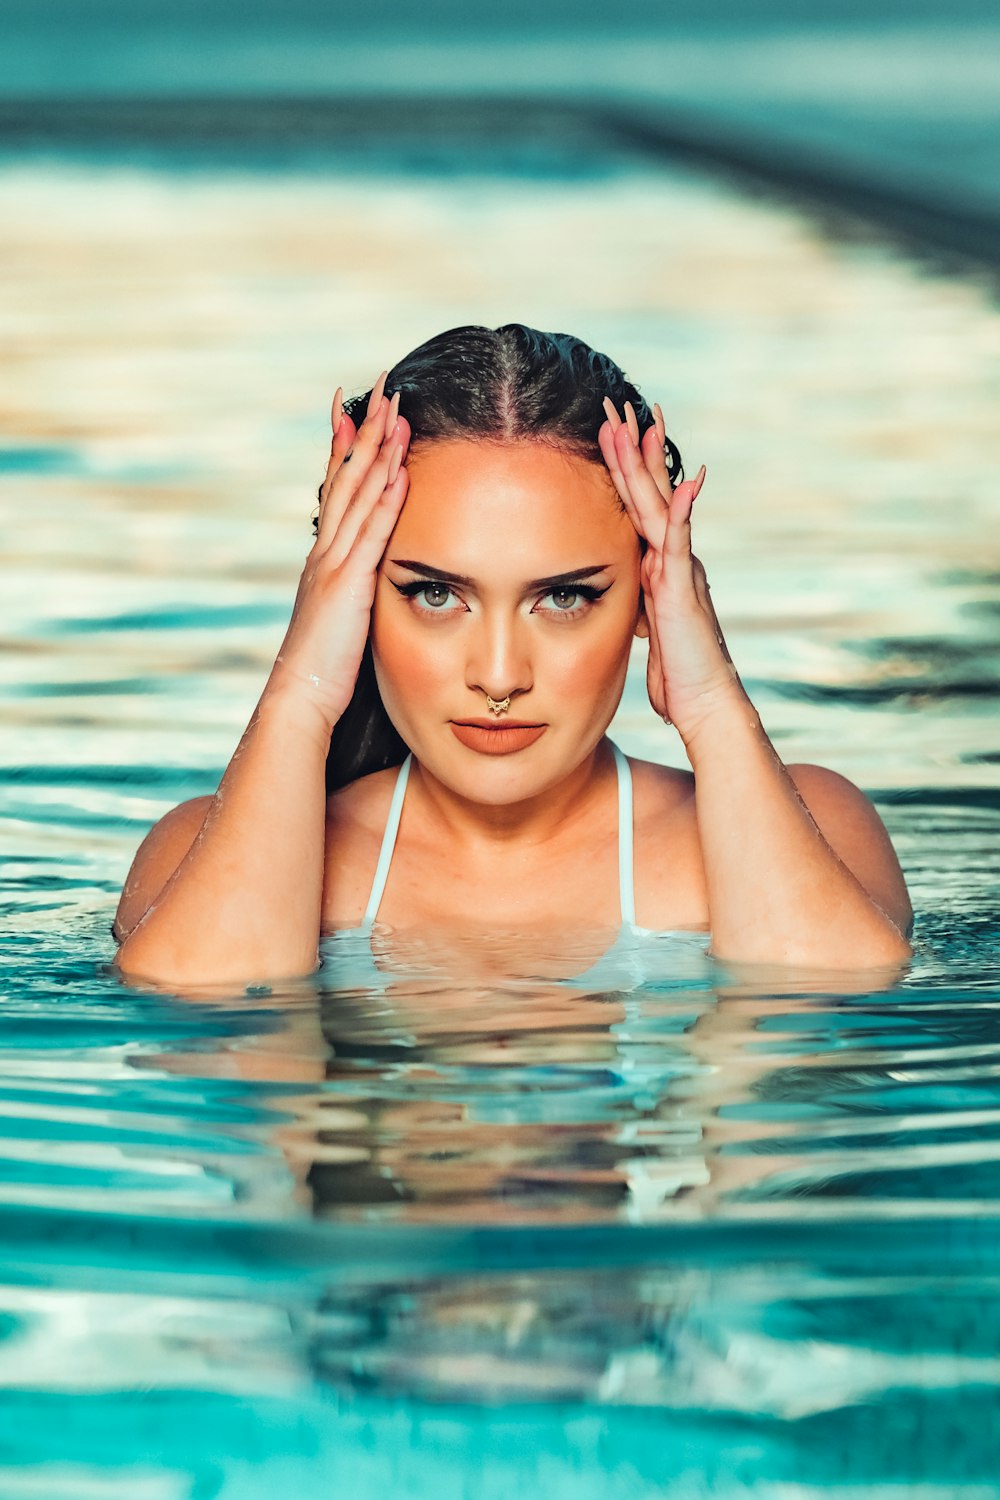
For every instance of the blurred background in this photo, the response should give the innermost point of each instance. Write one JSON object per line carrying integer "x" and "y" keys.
{"x": 782, "y": 218}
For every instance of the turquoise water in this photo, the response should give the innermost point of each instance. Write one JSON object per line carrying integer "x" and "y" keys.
{"x": 719, "y": 1235}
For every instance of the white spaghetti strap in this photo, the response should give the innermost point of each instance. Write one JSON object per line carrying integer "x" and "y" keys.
{"x": 388, "y": 844}
{"x": 626, "y": 879}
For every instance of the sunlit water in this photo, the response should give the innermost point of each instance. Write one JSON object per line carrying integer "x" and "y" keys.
{"x": 710, "y": 1234}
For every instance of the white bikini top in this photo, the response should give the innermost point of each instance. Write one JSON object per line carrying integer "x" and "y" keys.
{"x": 626, "y": 879}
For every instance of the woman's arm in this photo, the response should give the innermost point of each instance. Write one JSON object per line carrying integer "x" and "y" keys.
{"x": 230, "y": 888}
{"x": 240, "y": 899}
{"x": 798, "y": 866}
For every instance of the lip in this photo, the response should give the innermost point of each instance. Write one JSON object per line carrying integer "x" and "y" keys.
{"x": 491, "y": 738}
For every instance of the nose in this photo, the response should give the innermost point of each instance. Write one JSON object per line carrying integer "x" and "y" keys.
{"x": 499, "y": 660}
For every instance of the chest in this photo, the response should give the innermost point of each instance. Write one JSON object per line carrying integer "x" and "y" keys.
{"x": 429, "y": 886}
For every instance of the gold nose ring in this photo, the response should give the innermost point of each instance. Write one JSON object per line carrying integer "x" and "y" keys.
{"x": 495, "y": 707}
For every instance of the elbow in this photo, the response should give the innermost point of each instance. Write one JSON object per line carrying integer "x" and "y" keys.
{"x": 147, "y": 962}
{"x": 877, "y": 949}
{"x": 891, "y": 949}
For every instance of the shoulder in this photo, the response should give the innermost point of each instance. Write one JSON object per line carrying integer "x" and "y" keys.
{"x": 355, "y": 823}
{"x": 362, "y": 804}
{"x": 837, "y": 804}
{"x": 851, "y": 825}
{"x": 669, "y": 847}
{"x": 660, "y": 790}
{"x": 157, "y": 857}
{"x": 667, "y": 860}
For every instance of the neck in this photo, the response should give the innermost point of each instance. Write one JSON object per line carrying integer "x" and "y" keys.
{"x": 535, "y": 820}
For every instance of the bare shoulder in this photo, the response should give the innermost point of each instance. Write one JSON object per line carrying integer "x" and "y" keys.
{"x": 671, "y": 887}
{"x": 660, "y": 791}
{"x": 355, "y": 822}
{"x": 156, "y": 860}
{"x": 362, "y": 803}
{"x": 852, "y": 827}
{"x": 668, "y": 866}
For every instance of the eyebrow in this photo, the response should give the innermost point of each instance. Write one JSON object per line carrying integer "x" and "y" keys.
{"x": 554, "y": 580}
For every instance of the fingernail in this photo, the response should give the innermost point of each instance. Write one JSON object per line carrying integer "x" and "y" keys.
{"x": 394, "y": 463}
{"x": 661, "y": 426}
{"x": 337, "y": 413}
{"x": 390, "y": 420}
{"x": 612, "y": 414}
{"x": 377, "y": 392}
{"x": 699, "y": 481}
{"x": 632, "y": 420}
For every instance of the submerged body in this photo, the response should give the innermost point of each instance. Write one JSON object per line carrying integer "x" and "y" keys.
{"x": 499, "y": 606}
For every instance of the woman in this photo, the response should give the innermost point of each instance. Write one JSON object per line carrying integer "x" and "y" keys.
{"x": 430, "y": 745}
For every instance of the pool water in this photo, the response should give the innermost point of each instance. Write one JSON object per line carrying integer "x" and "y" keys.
{"x": 713, "y": 1234}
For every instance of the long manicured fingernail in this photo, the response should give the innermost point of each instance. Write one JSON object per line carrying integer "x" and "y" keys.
{"x": 661, "y": 426}
{"x": 699, "y": 480}
{"x": 378, "y": 390}
{"x": 394, "y": 463}
{"x": 337, "y": 410}
{"x": 612, "y": 414}
{"x": 393, "y": 413}
{"x": 633, "y": 421}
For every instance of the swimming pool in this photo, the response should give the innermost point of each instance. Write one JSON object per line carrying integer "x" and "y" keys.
{"x": 719, "y": 1235}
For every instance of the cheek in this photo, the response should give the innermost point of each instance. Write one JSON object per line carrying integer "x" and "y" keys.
{"x": 592, "y": 662}
{"x": 410, "y": 663}
{"x": 597, "y": 661}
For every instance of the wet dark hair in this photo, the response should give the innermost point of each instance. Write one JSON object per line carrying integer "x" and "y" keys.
{"x": 503, "y": 385}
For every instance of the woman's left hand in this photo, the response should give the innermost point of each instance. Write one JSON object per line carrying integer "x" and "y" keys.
{"x": 690, "y": 672}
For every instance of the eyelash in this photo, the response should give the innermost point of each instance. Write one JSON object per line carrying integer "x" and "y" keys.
{"x": 585, "y": 591}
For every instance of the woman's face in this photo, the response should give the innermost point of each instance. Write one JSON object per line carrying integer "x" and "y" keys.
{"x": 512, "y": 571}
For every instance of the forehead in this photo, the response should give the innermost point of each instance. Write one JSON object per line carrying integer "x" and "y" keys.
{"x": 477, "y": 505}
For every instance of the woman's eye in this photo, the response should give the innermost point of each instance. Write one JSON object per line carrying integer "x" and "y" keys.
{"x": 569, "y": 601}
{"x": 565, "y": 599}
{"x": 434, "y": 595}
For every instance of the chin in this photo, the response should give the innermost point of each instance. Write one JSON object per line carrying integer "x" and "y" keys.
{"x": 497, "y": 780}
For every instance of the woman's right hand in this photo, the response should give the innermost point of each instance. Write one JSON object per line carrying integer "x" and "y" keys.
{"x": 360, "y": 500}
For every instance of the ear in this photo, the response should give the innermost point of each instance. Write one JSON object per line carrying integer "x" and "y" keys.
{"x": 641, "y": 621}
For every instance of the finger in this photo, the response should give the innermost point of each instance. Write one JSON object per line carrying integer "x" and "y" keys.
{"x": 343, "y": 441}
{"x": 606, "y": 443}
{"x": 649, "y": 504}
{"x": 373, "y": 538}
{"x": 365, "y": 499}
{"x": 347, "y": 476}
{"x": 403, "y": 431}
{"x": 612, "y": 414}
{"x": 656, "y": 461}
{"x": 378, "y": 391}
{"x": 687, "y": 493}
{"x": 343, "y": 436}
{"x": 678, "y": 540}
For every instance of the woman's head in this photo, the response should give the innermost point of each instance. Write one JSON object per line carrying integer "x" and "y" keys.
{"x": 508, "y": 490}
{"x": 509, "y": 385}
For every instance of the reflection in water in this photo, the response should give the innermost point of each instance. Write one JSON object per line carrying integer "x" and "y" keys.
{"x": 766, "y": 1210}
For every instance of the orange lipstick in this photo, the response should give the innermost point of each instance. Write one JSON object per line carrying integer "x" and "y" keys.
{"x": 487, "y": 737}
